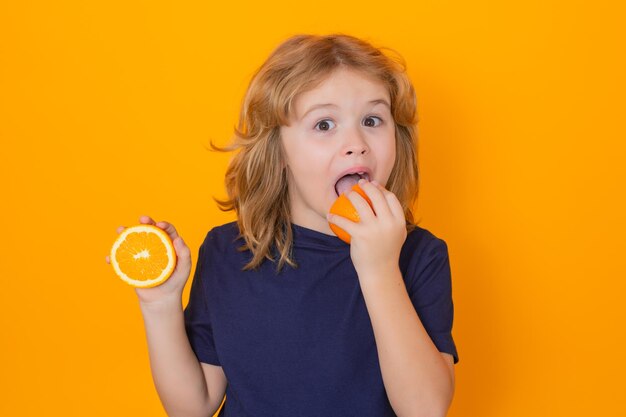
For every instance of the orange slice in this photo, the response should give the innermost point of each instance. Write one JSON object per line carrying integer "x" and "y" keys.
{"x": 143, "y": 256}
{"x": 343, "y": 207}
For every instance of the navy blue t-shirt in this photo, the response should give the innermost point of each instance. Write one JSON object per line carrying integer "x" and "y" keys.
{"x": 300, "y": 342}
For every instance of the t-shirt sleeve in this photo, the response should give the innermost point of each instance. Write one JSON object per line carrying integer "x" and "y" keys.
{"x": 197, "y": 314}
{"x": 430, "y": 289}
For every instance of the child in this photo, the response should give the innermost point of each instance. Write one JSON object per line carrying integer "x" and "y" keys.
{"x": 283, "y": 317}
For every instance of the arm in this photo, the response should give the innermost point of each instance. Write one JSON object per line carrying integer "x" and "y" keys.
{"x": 185, "y": 387}
{"x": 419, "y": 380}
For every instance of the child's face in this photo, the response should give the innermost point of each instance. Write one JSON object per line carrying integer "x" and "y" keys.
{"x": 343, "y": 126}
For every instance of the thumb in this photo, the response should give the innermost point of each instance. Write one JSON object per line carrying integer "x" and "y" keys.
{"x": 182, "y": 252}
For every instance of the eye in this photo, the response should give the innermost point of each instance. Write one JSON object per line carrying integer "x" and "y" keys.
{"x": 372, "y": 121}
{"x": 324, "y": 125}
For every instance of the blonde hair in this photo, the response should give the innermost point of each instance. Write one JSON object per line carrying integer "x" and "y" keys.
{"x": 256, "y": 179}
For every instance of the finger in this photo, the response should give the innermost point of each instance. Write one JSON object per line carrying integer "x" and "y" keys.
{"x": 348, "y": 225}
{"x": 376, "y": 196}
{"x": 362, "y": 207}
{"x": 120, "y": 229}
{"x": 169, "y": 228}
{"x": 146, "y": 220}
{"x": 183, "y": 254}
{"x": 377, "y": 184}
{"x": 107, "y": 259}
{"x": 394, "y": 205}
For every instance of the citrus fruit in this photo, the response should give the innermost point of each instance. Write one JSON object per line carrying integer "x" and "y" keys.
{"x": 143, "y": 256}
{"x": 343, "y": 207}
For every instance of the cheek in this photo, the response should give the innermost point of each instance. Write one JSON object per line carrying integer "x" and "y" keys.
{"x": 387, "y": 152}
{"x": 292, "y": 147}
{"x": 390, "y": 163}
{"x": 298, "y": 151}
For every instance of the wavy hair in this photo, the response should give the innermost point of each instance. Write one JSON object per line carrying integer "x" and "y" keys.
{"x": 256, "y": 179}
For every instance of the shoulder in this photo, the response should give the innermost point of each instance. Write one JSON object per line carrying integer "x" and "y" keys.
{"x": 422, "y": 243}
{"x": 422, "y": 250}
{"x": 222, "y": 237}
{"x": 222, "y": 244}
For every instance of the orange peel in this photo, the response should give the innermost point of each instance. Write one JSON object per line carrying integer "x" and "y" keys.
{"x": 343, "y": 207}
{"x": 143, "y": 256}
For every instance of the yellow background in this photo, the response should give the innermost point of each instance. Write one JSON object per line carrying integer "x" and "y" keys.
{"x": 105, "y": 112}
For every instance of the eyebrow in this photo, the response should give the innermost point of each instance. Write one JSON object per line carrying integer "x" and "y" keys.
{"x": 381, "y": 101}
{"x": 325, "y": 105}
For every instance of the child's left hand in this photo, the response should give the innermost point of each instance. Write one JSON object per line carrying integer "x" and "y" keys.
{"x": 377, "y": 239}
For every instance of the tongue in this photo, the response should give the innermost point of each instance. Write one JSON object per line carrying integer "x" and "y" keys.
{"x": 345, "y": 183}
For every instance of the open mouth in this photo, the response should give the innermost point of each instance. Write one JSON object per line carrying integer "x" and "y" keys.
{"x": 346, "y": 182}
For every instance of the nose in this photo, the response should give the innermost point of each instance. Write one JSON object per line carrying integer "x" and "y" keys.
{"x": 355, "y": 144}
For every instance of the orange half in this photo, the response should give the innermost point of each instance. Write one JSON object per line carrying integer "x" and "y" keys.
{"x": 343, "y": 207}
{"x": 143, "y": 256}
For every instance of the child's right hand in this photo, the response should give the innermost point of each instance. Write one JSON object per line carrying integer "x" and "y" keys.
{"x": 173, "y": 287}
